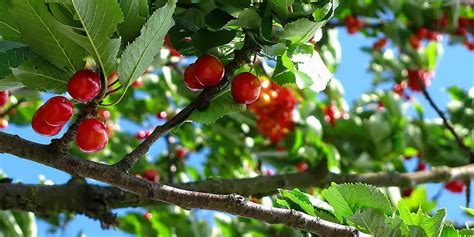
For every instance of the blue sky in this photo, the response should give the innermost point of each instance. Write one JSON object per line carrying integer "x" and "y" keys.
{"x": 456, "y": 67}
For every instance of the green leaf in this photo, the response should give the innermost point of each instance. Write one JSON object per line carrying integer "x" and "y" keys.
{"x": 8, "y": 27}
{"x": 300, "y": 31}
{"x": 280, "y": 7}
{"x": 39, "y": 74}
{"x": 218, "y": 18}
{"x": 432, "y": 226}
{"x": 99, "y": 20}
{"x": 419, "y": 199}
{"x": 139, "y": 54}
{"x": 449, "y": 231}
{"x": 373, "y": 222}
{"x": 42, "y": 32}
{"x": 469, "y": 211}
{"x": 298, "y": 198}
{"x": 431, "y": 54}
{"x": 220, "y": 105}
{"x": 135, "y": 13}
{"x": 249, "y": 18}
{"x": 205, "y": 39}
{"x": 346, "y": 199}
{"x": 13, "y": 58}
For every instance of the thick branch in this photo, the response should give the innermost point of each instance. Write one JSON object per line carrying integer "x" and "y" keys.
{"x": 232, "y": 204}
{"x": 201, "y": 102}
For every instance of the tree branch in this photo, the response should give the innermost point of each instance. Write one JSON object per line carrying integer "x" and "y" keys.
{"x": 447, "y": 124}
{"x": 200, "y": 103}
{"x": 232, "y": 204}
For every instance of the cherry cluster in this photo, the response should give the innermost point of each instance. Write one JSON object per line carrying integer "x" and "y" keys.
{"x": 423, "y": 33}
{"x": 274, "y": 111}
{"x": 208, "y": 71}
{"x": 353, "y": 24}
{"x": 332, "y": 113}
{"x": 464, "y": 24}
{"x": 4, "y": 97}
{"x": 50, "y": 118}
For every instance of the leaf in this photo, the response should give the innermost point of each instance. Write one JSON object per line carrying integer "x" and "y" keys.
{"x": 346, "y": 199}
{"x": 373, "y": 222}
{"x": 298, "y": 198}
{"x": 249, "y": 18}
{"x": 13, "y": 58}
{"x": 8, "y": 27}
{"x": 432, "y": 226}
{"x": 280, "y": 7}
{"x": 39, "y": 74}
{"x": 449, "y": 231}
{"x": 221, "y": 105}
{"x": 300, "y": 31}
{"x": 431, "y": 54}
{"x": 139, "y": 54}
{"x": 217, "y": 18}
{"x": 205, "y": 39}
{"x": 99, "y": 20}
{"x": 469, "y": 211}
{"x": 43, "y": 34}
{"x": 135, "y": 13}
{"x": 419, "y": 199}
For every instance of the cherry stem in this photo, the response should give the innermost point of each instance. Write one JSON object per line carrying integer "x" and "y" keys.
{"x": 113, "y": 91}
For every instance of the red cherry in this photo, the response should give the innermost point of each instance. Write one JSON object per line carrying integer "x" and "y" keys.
{"x": 148, "y": 216}
{"x": 399, "y": 88}
{"x": 471, "y": 22}
{"x": 3, "y": 98}
{"x": 105, "y": 114}
{"x": 470, "y": 46}
{"x": 456, "y": 186}
{"x": 301, "y": 166}
{"x": 462, "y": 31}
{"x": 415, "y": 77}
{"x": 415, "y": 42}
{"x": 140, "y": 135}
{"x": 434, "y": 36}
{"x": 421, "y": 32}
{"x": 181, "y": 153}
{"x": 379, "y": 44}
{"x": 41, "y": 127}
{"x": 421, "y": 166}
{"x": 407, "y": 192}
{"x": 190, "y": 80}
{"x": 245, "y": 88}
{"x": 3, "y": 123}
{"x": 463, "y": 21}
{"x": 91, "y": 135}
{"x": 208, "y": 70}
{"x": 57, "y": 111}
{"x": 149, "y": 174}
{"x": 162, "y": 115}
{"x": 137, "y": 83}
{"x": 84, "y": 85}
{"x": 443, "y": 22}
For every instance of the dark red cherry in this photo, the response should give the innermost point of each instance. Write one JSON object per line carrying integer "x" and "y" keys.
{"x": 84, "y": 85}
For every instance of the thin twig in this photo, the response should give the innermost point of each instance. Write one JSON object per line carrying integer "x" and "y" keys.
{"x": 447, "y": 124}
{"x": 241, "y": 56}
